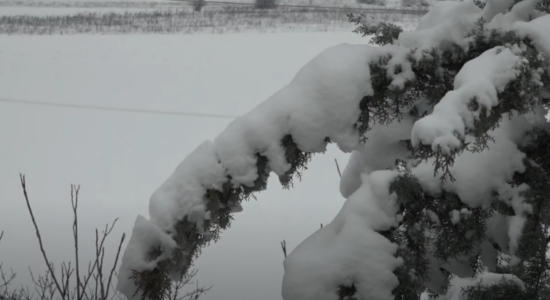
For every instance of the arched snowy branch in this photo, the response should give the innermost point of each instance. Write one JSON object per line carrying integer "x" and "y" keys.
{"x": 427, "y": 86}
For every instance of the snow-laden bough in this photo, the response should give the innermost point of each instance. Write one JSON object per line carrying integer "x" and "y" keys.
{"x": 379, "y": 104}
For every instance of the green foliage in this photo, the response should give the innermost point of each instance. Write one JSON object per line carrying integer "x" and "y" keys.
{"x": 543, "y": 6}
{"x": 519, "y": 96}
{"x": 502, "y": 290}
{"x": 427, "y": 223}
{"x": 383, "y": 33}
{"x": 154, "y": 284}
{"x": 297, "y": 159}
{"x": 427, "y": 226}
{"x": 534, "y": 270}
{"x": 479, "y": 3}
{"x": 412, "y": 240}
{"x": 198, "y": 5}
{"x": 372, "y": 2}
{"x": 346, "y": 292}
{"x": 266, "y": 4}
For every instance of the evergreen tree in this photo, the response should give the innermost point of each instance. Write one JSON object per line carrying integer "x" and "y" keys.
{"x": 447, "y": 183}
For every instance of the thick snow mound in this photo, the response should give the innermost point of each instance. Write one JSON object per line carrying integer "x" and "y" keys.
{"x": 349, "y": 250}
{"x": 137, "y": 258}
{"x": 384, "y": 145}
{"x": 480, "y": 79}
{"x": 322, "y": 101}
{"x": 455, "y": 292}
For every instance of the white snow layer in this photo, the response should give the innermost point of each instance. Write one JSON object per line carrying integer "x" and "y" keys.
{"x": 323, "y": 101}
{"x": 457, "y": 284}
{"x": 136, "y": 257}
{"x": 349, "y": 250}
{"x": 481, "y": 79}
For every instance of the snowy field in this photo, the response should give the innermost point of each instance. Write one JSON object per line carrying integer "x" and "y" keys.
{"x": 64, "y": 11}
{"x": 183, "y": 21}
{"x": 166, "y": 3}
{"x": 176, "y": 17}
{"x": 121, "y": 158}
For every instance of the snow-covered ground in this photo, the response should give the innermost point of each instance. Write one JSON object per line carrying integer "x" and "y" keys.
{"x": 41, "y": 20}
{"x": 121, "y": 158}
{"x": 324, "y": 3}
{"x": 63, "y": 11}
{"x": 165, "y": 16}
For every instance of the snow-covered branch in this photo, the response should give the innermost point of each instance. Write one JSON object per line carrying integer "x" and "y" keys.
{"x": 464, "y": 92}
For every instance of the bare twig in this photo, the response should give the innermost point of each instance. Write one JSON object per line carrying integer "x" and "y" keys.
{"x": 100, "y": 254}
{"x": 338, "y": 168}
{"x": 66, "y": 273}
{"x": 74, "y": 204}
{"x": 50, "y": 268}
{"x": 114, "y": 265}
{"x": 87, "y": 278}
{"x": 283, "y": 246}
{"x": 48, "y": 287}
{"x": 6, "y": 279}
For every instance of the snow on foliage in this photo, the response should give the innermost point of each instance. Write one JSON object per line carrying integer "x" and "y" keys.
{"x": 456, "y": 290}
{"x": 481, "y": 79}
{"x": 321, "y": 101}
{"x": 350, "y": 248}
{"x": 425, "y": 101}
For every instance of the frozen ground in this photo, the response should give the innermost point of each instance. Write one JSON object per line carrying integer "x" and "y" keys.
{"x": 121, "y": 158}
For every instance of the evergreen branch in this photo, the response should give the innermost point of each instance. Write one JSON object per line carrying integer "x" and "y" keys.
{"x": 384, "y": 33}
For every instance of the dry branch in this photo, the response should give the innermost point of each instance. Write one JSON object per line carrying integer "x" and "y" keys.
{"x": 71, "y": 283}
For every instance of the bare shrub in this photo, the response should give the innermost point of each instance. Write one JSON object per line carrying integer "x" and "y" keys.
{"x": 198, "y": 5}
{"x": 73, "y": 283}
{"x": 372, "y": 2}
{"x": 212, "y": 19}
{"x": 265, "y": 4}
{"x": 414, "y": 3}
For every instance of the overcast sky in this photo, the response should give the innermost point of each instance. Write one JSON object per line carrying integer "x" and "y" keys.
{"x": 119, "y": 159}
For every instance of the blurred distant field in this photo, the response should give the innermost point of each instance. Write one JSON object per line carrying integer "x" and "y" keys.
{"x": 31, "y": 17}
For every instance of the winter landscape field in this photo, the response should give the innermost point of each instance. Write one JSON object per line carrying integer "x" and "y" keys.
{"x": 159, "y": 17}
{"x": 120, "y": 158}
{"x": 448, "y": 192}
